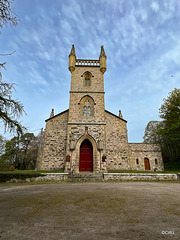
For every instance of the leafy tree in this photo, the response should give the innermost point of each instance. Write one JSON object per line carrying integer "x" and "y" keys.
{"x": 2, "y": 144}
{"x": 12, "y": 151}
{"x": 4, "y": 165}
{"x": 170, "y": 112}
{"x": 150, "y": 135}
{"x": 167, "y": 131}
{"x": 22, "y": 151}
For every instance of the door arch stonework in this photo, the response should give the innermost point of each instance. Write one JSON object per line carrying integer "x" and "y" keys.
{"x": 76, "y": 153}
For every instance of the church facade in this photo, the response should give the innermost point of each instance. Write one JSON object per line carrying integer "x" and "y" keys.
{"x": 86, "y": 137}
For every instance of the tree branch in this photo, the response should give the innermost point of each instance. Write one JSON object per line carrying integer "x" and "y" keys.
{"x": 7, "y": 54}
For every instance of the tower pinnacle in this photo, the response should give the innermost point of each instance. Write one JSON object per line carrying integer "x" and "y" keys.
{"x": 102, "y": 59}
{"x": 72, "y": 53}
{"x": 72, "y": 59}
{"x": 102, "y": 54}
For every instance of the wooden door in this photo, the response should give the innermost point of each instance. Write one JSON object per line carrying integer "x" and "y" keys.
{"x": 146, "y": 164}
{"x": 86, "y": 157}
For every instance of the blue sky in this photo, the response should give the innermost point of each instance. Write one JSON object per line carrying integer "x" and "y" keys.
{"x": 141, "y": 39}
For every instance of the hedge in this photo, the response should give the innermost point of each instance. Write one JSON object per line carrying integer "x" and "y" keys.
{"x": 4, "y": 177}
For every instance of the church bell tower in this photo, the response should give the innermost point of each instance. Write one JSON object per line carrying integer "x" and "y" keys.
{"x": 86, "y": 135}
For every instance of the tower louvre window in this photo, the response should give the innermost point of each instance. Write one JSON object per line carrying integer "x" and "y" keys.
{"x": 87, "y": 79}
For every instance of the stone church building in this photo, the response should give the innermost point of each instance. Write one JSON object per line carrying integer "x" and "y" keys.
{"x": 86, "y": 137}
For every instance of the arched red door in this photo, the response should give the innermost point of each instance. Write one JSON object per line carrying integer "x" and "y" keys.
{"x": 146, "y": 163}
{"x": 86, "y": 156}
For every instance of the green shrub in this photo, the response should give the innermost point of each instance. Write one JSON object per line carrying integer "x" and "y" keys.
{"x": 172, "y": 166}
{"x": 4, "y": 166}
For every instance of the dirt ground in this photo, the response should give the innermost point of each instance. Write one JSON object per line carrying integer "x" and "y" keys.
{"x": 119, "y": 210}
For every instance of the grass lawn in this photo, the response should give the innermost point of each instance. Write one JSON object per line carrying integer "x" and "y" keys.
{"x": 152, "y": 172}
{"x": 62, "y": 171}
{"x": 32, "y": 171}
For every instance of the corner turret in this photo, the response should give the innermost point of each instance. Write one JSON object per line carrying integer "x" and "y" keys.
{"x": 102, "y": 59}
{"x": 72, "y": 59}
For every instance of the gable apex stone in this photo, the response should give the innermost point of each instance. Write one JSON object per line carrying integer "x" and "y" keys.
{"x": 56, "y": 115}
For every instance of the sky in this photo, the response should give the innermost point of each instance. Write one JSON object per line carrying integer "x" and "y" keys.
{"x": 141, "y": 39}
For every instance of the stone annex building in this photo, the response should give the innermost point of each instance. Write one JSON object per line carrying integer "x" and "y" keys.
{"x": 86, "y": 137}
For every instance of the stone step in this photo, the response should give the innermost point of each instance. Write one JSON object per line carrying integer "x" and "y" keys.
{"x": 85, "y": 177}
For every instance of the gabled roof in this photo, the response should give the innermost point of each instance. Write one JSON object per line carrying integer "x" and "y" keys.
{"x": 56, "y": 115}
{"x": 115, "y": 116}
{"x": 68, "y": 110}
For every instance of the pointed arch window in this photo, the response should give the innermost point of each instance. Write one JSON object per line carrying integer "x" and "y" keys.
{"x": 87, "y": 106}
{"x": 89, "y": 111}
{"x": 84, "y": 111}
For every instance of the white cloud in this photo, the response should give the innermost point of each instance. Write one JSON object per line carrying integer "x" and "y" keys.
{"x": 44, "y": 55}
{"x": 37, "y": 79}
{"x": 142, "y": 49}
{"x": 143, "y": 14}
{"x": 155, "y": 6}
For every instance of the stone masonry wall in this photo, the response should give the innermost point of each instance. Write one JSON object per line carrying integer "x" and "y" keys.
{"x": 140, "y": 177}
{"x": 92, "y": 126}
{"x": 116, "y": 143}
{"x": 106, "y": 177}
{"x": 78, "y": 91}
{"x": 54, "y": 147}
{"x": 75, "y": 114}
{"x": 95, "y": 132}
{"x": 77, "y": 78}
{"x": 140, "y": 151}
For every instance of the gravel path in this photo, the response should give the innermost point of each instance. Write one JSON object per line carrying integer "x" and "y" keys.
{"x": 120, "y": 210}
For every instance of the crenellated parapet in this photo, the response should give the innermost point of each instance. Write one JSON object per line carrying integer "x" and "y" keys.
{"x": 74, "y": 62}
{"x": 85, "y": 62}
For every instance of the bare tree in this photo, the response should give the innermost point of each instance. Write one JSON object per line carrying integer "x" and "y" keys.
{"x": 10, "y": 109}
{"x": 7, "y": 16}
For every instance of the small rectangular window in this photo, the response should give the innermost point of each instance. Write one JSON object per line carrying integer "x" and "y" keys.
{"x": 67, "y": 158}
{"x": 156, "y": 161}
{"x": 103, "y": 158}
{"x": 137, "y": 161}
